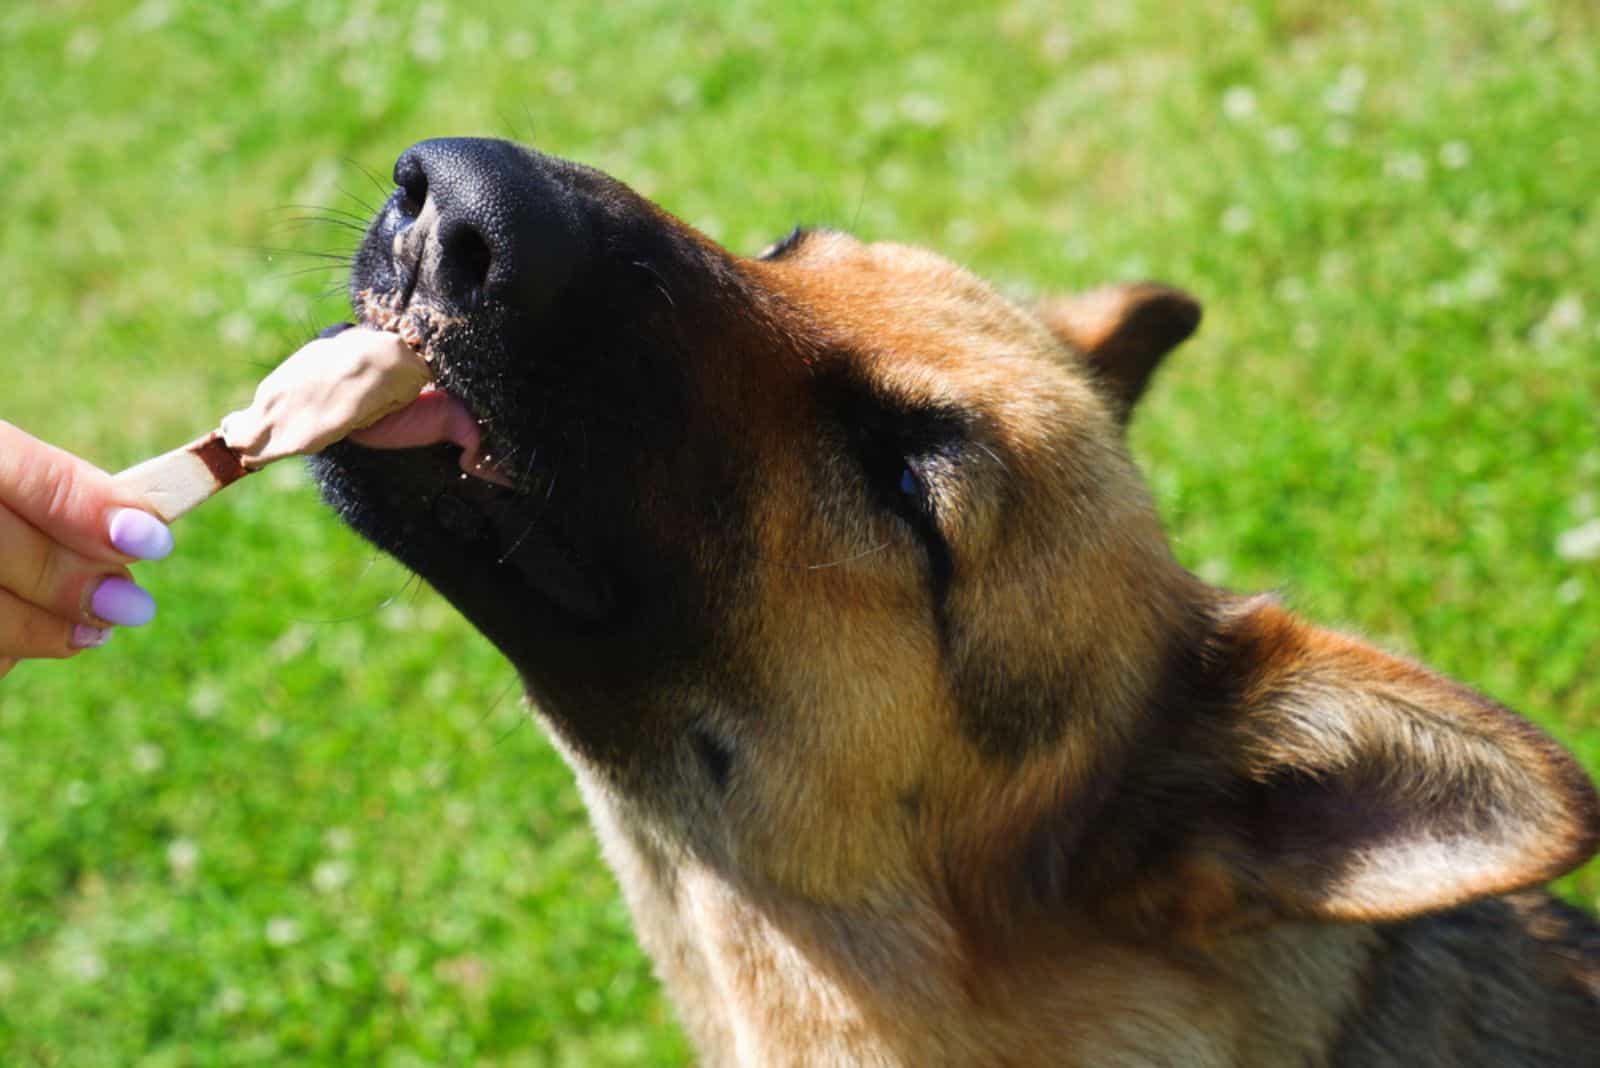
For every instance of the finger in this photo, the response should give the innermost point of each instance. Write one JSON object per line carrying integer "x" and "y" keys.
{"x": 45, "y": 573}
{"x": 27, "y": 631}
{"x": 66, "y": 498}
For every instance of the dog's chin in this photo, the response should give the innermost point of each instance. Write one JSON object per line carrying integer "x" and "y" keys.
{"x": 498, "y": 552}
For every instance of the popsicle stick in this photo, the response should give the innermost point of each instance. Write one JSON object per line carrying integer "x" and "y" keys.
{"x": 175, "y": 482}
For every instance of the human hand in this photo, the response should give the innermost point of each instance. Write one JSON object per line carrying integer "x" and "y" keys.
{"x": 67, "y": 534}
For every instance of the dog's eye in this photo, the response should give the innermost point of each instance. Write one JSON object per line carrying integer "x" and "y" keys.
{"x": 909, "y": 485}
{"x": 902, "y": 459}
{"x": 900, "y": 482}
{"x": 907, "y": 455}
{"x": 912, "y": 500}
{"x": 891, "y": 472}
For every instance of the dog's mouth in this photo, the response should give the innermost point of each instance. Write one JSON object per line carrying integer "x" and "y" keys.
{"x": 490, "y": 509}
{"x": 438, "y": 415}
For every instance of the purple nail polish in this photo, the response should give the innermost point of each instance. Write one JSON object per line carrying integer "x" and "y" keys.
{"x": 119, "y": 601}
{"x": 140, "y": 534}
{"x": 87, "y": 637}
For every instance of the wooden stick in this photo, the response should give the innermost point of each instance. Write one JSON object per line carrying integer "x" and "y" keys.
{"x": 175, "y": 482}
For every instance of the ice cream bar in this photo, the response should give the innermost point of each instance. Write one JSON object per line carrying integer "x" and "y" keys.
{"x": 323, "y": 393}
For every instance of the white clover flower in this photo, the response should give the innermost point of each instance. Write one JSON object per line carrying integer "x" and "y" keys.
{"x": 82, "y": 45}
{"x": 282, "y": 931}
{"x": 1239, "y": 103}
{"x": 183, "y": 856}
{"x": 1343, "y": 97}
{"x": 1407, "y": 166}
{"x": 921, "y": 109}
{"x": 330, "y": 876}
{"x": 1482, "y": 283}
{"x": 1564, "y": 319}
{"x": 206, "y": 699}
{"x": 1283, "y": 140}
{"x": 1291, "y": 290}
{"x": 237, "y": 329}
{"x": 1580, "y": 543}
{"x": 519, "y": 44}
{"x": 1454, "y": 155}
{"x": 87, "y": 965}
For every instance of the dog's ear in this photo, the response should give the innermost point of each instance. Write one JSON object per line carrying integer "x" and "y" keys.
{"x": 1122, "y": 332}
{"x": 1333, "y": 781}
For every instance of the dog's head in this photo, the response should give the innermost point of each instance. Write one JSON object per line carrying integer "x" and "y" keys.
{"x": 831, "y": 564}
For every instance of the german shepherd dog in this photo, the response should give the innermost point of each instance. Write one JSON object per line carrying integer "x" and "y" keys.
{"x": 907, "y": 738}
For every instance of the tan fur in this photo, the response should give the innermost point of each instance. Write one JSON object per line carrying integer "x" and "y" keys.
{"x": 1085, "y": 810}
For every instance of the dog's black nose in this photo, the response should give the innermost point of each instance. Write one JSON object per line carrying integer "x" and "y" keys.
{"x": 485, "y": 219}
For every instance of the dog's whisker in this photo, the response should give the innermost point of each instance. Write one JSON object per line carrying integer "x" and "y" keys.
{"x": 318, "y": 268}
{"x": 319, "y": 210}
{"x": 308, "y": 217}
{"x": 340, "y": 259}
{"x": 984, "y": 448}
{"x": 533, "y": 524}
{"x": 383, "y": 190}
{"x": 520, "y": 723}
{"x": 499, "y": 699}
{"x": 849, "y": 559}
{"x": 412, "y": 582}
{"x": 305, "y": 222}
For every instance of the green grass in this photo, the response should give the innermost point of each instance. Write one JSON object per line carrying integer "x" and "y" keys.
{"x": 302, "y": 819}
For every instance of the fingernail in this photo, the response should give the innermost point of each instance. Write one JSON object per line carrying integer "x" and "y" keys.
{"x": 140, "y": 534}
{"x": 87, "y": 637}
{"x": 119, "y": 601}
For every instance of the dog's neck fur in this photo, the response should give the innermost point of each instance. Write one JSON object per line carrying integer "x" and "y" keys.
{"x": 923, "y": 977}
{"x": 760, "y": 979}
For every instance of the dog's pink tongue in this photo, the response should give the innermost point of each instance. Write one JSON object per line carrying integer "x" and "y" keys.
{"x": 434, "y": 418}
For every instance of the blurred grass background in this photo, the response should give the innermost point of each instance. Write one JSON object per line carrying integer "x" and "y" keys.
{"x": 302, "y": 818}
